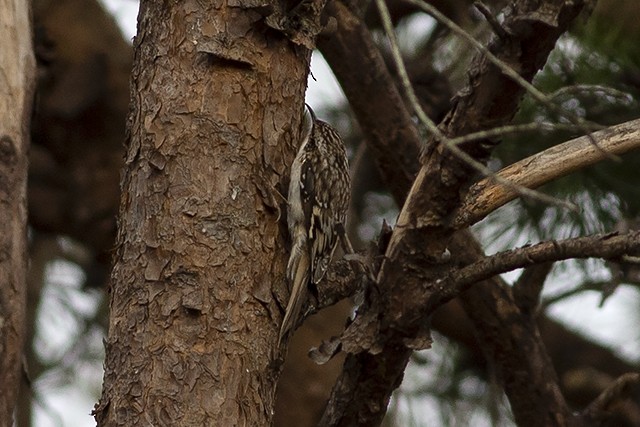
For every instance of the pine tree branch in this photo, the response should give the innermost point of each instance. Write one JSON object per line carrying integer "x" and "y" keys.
{"x": 342, "y": 281}
{"x": 598, "y": 246}
{"x": 548, "y": 165}
{"x": 509, "y": 71}
{"x": 438, "y": 135}
{"x": 390, "y": 325}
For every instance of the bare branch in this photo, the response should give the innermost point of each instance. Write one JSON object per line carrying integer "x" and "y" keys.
{"x": 438, "y": 135}
{"x": 508, "y": 70}
{"x": 607, "y": 90}
{"x": 341, "y": 281}
{"x": 598, "y": 246}
{"x": 598, "y": 286}
{"x": 402, "y": 72}
{"x": 555, "y": 162}
{"x": 513, "y": 129}
{"x": 606, "y": 246}
{"x": 491, "y": 19}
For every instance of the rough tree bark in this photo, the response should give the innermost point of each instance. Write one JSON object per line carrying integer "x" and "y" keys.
{"x": 17, "y": 71}
{"x": 216, "y": 105}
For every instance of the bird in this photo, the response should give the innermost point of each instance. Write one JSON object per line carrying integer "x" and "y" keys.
{"x": 317, "y": 203}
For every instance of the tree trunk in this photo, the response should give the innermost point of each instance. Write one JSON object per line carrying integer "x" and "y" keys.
{"x": 216, "y": 106}
{"x": 17, "y": 69}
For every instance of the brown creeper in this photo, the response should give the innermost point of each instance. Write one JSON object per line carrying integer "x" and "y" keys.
{"x": 318, "y": 200}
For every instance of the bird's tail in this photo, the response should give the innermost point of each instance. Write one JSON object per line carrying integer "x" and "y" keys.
{"x": 298, "y": 276}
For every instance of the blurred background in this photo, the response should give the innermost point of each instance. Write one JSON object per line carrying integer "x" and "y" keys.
{"x": 590, "y": 308}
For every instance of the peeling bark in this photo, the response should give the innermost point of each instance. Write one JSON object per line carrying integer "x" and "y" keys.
{"x": 216, "y": 106}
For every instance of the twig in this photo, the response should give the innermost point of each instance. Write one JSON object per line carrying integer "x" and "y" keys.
{"x": 584, "y": 287}
{"x": 597, "y": 246}
{"x": 340, "y": 279}
{"x": 491, "y": 19}
{"x": 510, "y": 72}
{"x": 402, "y": 72}
{"x": 513, "y": 129}
{"x": 431, "y": 126}
{"x": 357, "y": 261}
{"x": 486, "y": 196}
{"x": 344, "y": 240}
{"x": 568, "y": 90}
